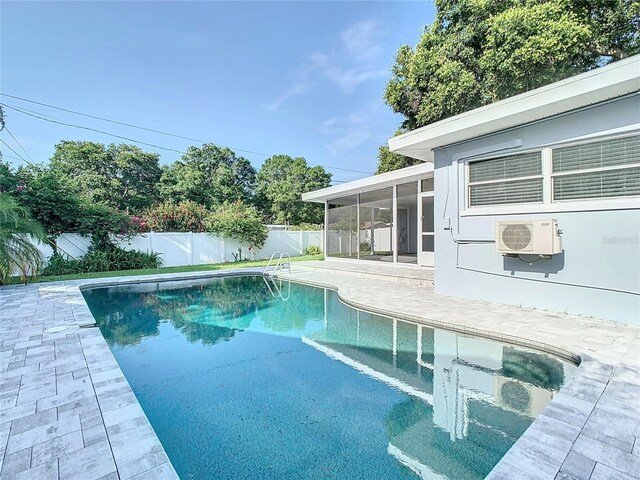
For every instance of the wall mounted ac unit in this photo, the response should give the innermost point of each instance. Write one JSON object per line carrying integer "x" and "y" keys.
{"x": 528, "y": 237}
{"x": 521, "y": 397}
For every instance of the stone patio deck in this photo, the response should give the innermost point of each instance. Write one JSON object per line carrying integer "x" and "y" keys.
{"x": 67, "y": 411}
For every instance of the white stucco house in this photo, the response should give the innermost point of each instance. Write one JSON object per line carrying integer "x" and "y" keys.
{"x": 533, "y": 200}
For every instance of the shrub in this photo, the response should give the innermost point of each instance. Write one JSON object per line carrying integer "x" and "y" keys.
{"x": 312, "y": 250}
{"x": 110, "y": 259}
{"x": 186, "y": 216}
{"x": 240, "y": 221}
{"x": 58, "y": 265}
{"x": 103, "y": 223}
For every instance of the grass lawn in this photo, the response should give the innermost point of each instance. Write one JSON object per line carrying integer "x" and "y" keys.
{"x": 149, "y": 271}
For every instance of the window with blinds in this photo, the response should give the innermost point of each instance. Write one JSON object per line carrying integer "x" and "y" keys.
{"x": 605, "y": 169}
{"x": 506, "y": 180}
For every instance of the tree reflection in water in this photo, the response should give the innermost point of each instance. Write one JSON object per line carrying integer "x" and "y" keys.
{"x": 211, "y": 311}
{"x": 455, "y": 405}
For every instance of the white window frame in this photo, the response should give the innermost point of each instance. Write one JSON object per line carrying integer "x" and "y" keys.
{"x": 565, "y": 173}
{"x": 549, "y": 204}
{"x": 469, "y": 183}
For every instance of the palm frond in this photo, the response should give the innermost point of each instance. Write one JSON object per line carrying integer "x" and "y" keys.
{"x": 19, "y": 235}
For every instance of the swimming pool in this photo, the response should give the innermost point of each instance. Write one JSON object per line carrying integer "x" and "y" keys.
{"x": 243, "y": 378}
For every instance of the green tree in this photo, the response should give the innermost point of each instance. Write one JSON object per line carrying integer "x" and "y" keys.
{"x": 477, "y": 52}
{"x": 209, "y": 175}
{"x": 50, "y": 200}
{"x": 18, "y": 253}
{"x": 389, "y": 161}
{"x": 123, "y": 177}
{"x": 239, "y": 221}
{"x": 8, "y": 180}
{"x": 102, "y": 224}
{"x": 281, "y": 182}
{"x": 54, "y": 203}
{"x": 2, "y": 123}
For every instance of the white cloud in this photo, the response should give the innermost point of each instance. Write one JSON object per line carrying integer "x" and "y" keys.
{"x": 350, "y": 132}
{"x": 299, "y": 87}
{"x": 355, "y": 60}
{"x": 349, "y": 79}
{"x": 360, "y": 39}
{"x": 349, "y": 141}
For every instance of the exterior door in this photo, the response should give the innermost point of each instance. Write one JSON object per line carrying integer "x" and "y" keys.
{"x": 426, "y": 230}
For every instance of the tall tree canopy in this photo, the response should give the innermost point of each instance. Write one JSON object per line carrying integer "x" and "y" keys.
{"x": 50, "y": 199}
{"x": 54, "y": 203}
{"x": 281, "y": 182}
{"x": 480, "y": 51}
{"x": 389, "y": 161}
{"x": 8, "y": 180}
{"x": 123, "y": 177}
{"x": 209, "y": 175}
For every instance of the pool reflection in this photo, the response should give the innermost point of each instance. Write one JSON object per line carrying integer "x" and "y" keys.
{"x": 481, "y": 395}
{"x": 467, "y": 399}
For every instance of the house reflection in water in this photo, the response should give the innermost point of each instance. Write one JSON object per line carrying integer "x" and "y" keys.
{"x": 458, "y": 404}
{"x": 469, "y": 399}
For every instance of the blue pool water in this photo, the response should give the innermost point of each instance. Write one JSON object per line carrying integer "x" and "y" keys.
{"x": 245, "y": 379}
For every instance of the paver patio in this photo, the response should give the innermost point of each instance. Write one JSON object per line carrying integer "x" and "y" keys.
{"x": 67, "y": 411}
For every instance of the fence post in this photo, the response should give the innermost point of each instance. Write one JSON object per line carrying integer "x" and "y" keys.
{"x": 150, "y": 241}
{"x": 301, "y": 242}
{"x": 223, "y": 250}
{"x": 191, "y": 248}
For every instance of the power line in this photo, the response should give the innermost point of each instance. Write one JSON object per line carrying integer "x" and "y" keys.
{"x": 156, "y": 131}
{"x": 4, "y": 155}
{"x": 19, "y": 144}
{"x": 38, "y": 113}
{"x": 19, "y": 156}
{"x": 94, "y": 130}
{"x": 127, "y": 124}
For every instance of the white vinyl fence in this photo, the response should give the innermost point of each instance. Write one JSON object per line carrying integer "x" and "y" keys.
{"x": 177, "y": 249}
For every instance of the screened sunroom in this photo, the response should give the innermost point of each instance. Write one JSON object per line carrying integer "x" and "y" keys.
{"x": 384, "y": 218}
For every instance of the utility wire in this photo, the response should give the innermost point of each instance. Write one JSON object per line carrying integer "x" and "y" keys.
{"x": 38, "y": 113}
{"x": 19, "y": 144}
{"x": 126, "y": 124}
{"x": 93, "y": 130}
{"x": 155, "y": 131}
{"x": 4, "y": 155}
{"x": 19, "y": 156}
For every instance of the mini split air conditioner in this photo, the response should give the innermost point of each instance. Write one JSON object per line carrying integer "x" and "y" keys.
{"x": 521, "y": 397}
{"x": 528, "y": 237}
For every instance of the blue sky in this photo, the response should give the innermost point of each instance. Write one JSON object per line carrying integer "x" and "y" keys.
{"x": 299, "y": 78}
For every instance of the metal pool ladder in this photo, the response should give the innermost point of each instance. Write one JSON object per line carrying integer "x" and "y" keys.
{"x": 275, "y": 288}
{"x": 283, "y": 258}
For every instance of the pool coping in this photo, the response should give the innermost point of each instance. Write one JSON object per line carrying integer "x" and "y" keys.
{"x": 565, "y": 453}
{"x": 471, "y": 331}
{"x": 76, "y": 418}
{"x": 135, "y": 450}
